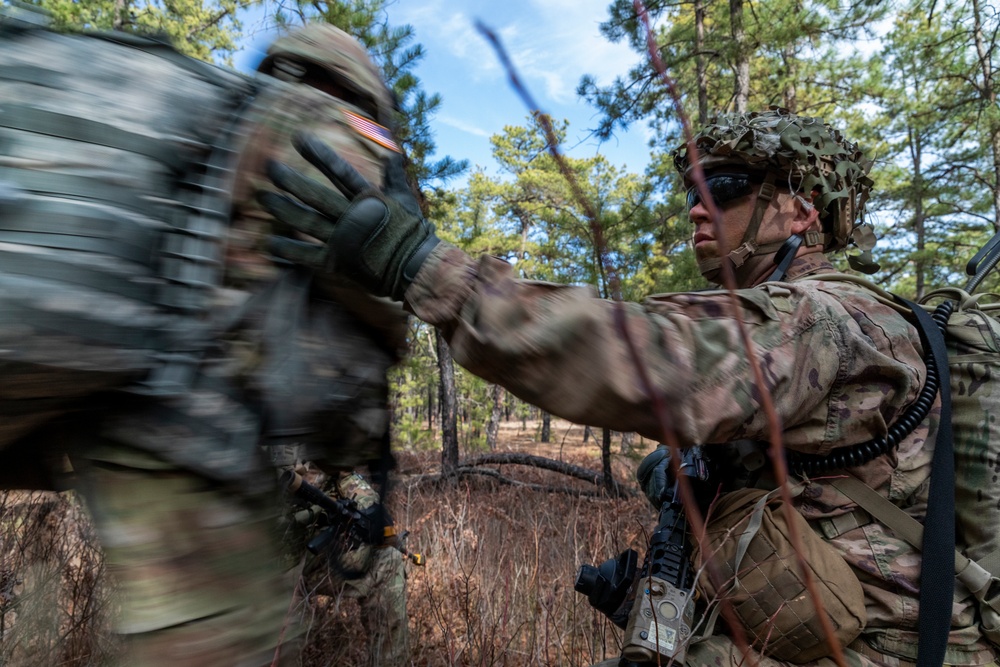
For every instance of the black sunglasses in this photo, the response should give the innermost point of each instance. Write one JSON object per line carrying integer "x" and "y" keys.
{"x": 724, "y": 188}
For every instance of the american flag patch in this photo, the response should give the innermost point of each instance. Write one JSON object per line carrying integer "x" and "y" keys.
{"x": 371, "y": 130}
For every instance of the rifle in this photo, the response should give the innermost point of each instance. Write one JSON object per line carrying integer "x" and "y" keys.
{"x": 344, "y": 523}
{"x": 655, "y": 606}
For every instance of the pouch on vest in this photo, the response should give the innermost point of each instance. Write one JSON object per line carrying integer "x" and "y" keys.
{"x": 747, "y": 533}
{"x": 116, "y": 156}
{"x": 315, "y": 371}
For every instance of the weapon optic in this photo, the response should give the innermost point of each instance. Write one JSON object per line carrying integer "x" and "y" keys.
{"x": 656, "y": 605}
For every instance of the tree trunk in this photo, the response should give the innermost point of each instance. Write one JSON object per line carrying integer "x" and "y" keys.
{"x": 493, "y": 427}
{"x": 741, "y": 87}
{"x": 430, "y": 408}
{"x": 118, "y": 22}
{"x": 546, "y": 427}
{"x": 699, "y": 61}
{"x": 627, "y": 441}
{"x": 609, "y": 480}
{"x": 988, "y": 94}
{"x": 916, "y": 157}
{"x": 790, "y": 93}
{"x": 447, "y": 402}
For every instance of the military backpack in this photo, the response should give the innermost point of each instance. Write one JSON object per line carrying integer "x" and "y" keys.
{"x": 119, "y": 160}
{"x": 962, "y": 331}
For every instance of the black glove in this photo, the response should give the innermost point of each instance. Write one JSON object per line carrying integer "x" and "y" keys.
{"x": 376, "y": 238}
{"x": 653, "y": 475}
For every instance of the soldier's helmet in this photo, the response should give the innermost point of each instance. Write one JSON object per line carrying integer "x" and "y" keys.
{"x": 805, "y": 153}
{"x": 325, "y": 57}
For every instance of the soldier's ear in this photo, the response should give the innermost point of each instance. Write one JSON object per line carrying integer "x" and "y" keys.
{"x": 806, "y": 216}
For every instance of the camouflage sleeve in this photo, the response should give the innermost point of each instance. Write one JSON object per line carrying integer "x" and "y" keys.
{"x": 835, "y": 376}
{"x": 352, "y": 486}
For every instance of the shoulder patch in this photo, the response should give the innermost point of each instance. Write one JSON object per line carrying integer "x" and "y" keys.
{"x": 371, "y": 130}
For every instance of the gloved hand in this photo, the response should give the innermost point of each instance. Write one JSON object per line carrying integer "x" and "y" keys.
{"x": 376, "y": 238}
{"x": 653, "y": 475}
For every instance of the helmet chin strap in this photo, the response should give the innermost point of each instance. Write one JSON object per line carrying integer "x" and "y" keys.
{"x": 789, "y": 249}
{"x": 712, "y": 268}
{"x": 785, "y": 250}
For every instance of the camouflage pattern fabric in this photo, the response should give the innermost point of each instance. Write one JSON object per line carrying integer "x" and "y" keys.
{"x": 840, "y": 366}
{"x": 340, "y": 58}
{"x": 341, "y": 339}
{"x": 184, "y": 504}
{"x": 199, "y": 580}
{"x": 974, "y": 361}
{"x": 281, "y": 110}
{"x": 80, "y": 320}
{"x": 91, "y": 186}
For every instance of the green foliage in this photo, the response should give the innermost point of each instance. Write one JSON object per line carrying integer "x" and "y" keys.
{"x": 414, "y": 388}
{"x": 206, "y": 29}
{"x": 934, "y": 89}
{"x": 532, "y": 216}
{"x": 913, "y": 82}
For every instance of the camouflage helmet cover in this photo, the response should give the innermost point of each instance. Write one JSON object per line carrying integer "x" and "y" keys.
{"x": 813, "y": 157}
{"x": 339, "y": 54}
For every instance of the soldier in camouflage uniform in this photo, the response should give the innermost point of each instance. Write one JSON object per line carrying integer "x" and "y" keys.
{"x": 184, "y": 503}
{"x": 380, "y": 590}
{"x": 840, "y": 365}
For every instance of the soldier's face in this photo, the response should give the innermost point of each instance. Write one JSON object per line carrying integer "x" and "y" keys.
{"x": 734, "y": 195}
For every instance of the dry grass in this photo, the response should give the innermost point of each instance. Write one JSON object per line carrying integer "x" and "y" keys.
{"x": 497, "y": 588}
{"x": 54, "y": 601}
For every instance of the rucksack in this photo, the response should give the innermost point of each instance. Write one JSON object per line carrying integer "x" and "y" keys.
{"x": 971, "y": 345}
{"x": 116, "y": 162}
{"x": 119, "y": 159}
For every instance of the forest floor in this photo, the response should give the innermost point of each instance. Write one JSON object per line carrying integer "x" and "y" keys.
{"x": 502, "y": 560}
{"x": 497, "y": 588}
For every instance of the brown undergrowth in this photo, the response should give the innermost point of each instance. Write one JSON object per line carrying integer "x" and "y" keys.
{"x": 55, "y": 603}
{"x": 497, "y": 588}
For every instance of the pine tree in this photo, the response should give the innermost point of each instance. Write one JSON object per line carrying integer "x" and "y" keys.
{"x": 206, "y": 29}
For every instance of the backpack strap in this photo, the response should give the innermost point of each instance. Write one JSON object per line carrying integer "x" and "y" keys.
{"x": 975, "y": 575}
{"x": 937, "y": 593}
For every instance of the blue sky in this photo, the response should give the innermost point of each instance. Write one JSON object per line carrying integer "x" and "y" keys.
{"x": 552, "y": 44}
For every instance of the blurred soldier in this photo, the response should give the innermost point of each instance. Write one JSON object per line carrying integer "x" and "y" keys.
{"x": 842, "y": 367}
{"x": 375, "y": 576}
{"x": 158, "y": 357}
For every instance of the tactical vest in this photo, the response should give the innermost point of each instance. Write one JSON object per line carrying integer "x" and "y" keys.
{"x": 116, "y": 164}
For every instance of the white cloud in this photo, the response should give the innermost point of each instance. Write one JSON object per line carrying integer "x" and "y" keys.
{"x": 552, "y": 43}
{"x": 575, "y": 43}
{"x": 462, "y": 126}
{"x": 442, "y": 24}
